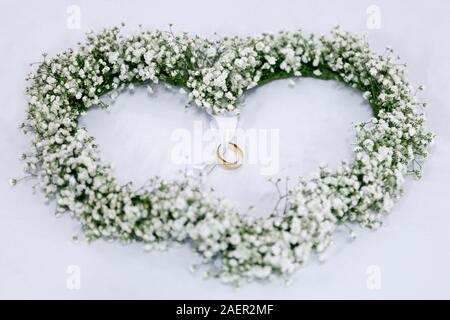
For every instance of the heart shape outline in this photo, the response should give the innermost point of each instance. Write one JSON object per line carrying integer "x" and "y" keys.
{"x": 217, "y": 73}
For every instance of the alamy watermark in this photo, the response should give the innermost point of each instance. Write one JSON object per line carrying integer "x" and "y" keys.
{"x": 373, "y": 21}
{"x": 73, "y": 20}
{"x": 199, "y": 146}
{"x": 373, "y": 280}
{"x": 73, "y": 279}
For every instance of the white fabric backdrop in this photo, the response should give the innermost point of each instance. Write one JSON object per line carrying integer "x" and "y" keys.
{"x": 410, "y": 255}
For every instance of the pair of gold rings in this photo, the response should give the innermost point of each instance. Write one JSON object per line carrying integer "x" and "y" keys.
{"x": 228, "y": 164}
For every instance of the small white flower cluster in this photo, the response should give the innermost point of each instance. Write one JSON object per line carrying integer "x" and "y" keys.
{"x": 216, "y": 74}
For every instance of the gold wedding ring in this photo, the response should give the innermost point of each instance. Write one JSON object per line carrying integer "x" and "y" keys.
{"x": 227, "y": 164}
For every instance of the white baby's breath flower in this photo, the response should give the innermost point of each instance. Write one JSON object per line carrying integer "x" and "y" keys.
{"x": 216, "y": 74}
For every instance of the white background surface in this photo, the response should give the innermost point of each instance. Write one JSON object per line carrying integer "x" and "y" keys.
{"x": 314, "y": 121}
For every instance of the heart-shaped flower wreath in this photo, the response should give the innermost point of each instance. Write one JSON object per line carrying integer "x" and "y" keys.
{"x": 216, "y": 73}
